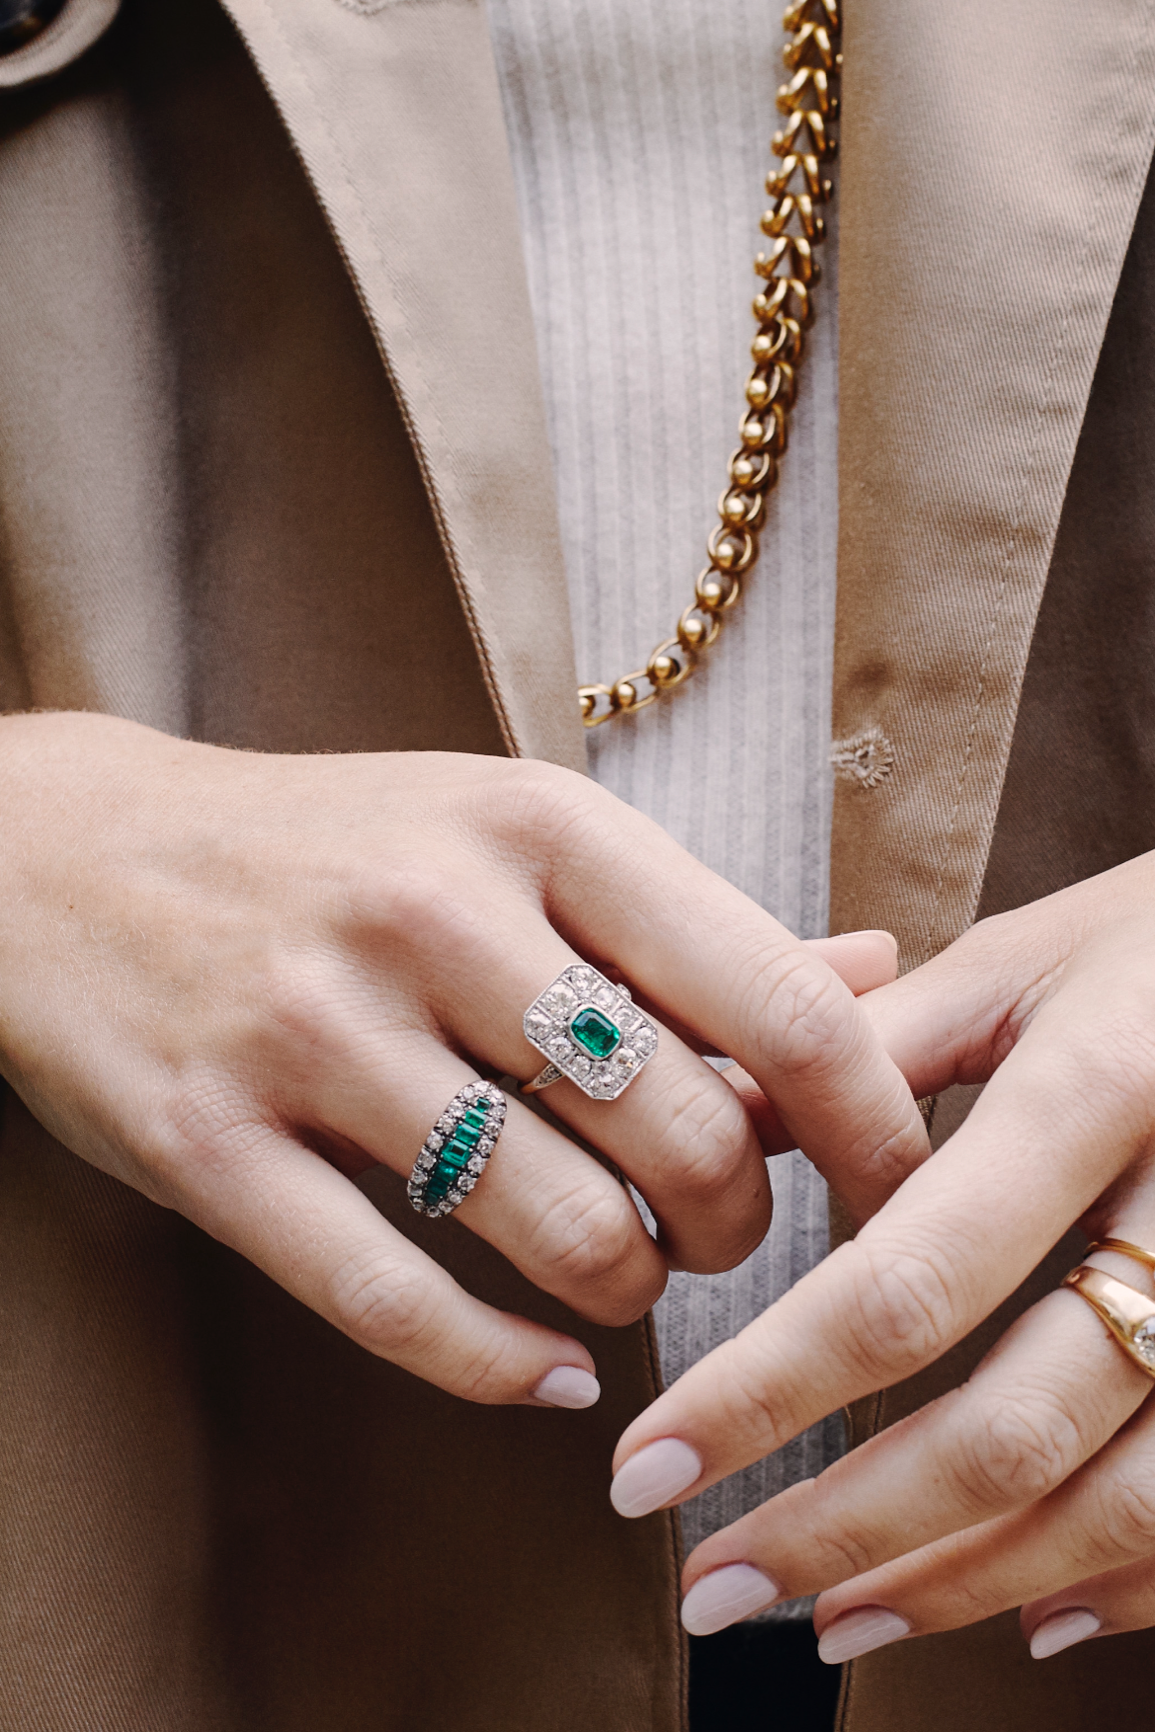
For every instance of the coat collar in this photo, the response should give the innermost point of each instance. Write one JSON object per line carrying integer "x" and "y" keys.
{"x": 994, "y": 158}
{"x": 396, "y": 114}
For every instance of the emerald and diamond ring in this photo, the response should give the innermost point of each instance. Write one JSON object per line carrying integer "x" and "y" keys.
{"x": 591, "y": 1031}
{"x": 454, "y": 1154}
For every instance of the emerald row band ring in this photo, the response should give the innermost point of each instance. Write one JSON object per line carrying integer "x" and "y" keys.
{"x": 591, "y": 1031}
{"x": 454, "y": 1154}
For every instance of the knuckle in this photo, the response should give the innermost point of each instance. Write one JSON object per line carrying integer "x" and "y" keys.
{"x": 588, "y": 1237}
{"x": 539, "y": 804}
{"x": 706, "y": 1124}
{"x": 419, "y": 902}
{"x": 1127, "y": 1523}
{"x": 1016, "y": 1453}
{"x": 747, "y": 1401}
{"x": 845, "y": 1552}
{"x": 490, "y": 1378}
{"x": 798, "y": 1009}
{"x": 206, "y": 1122}
{"x": 905, "y": 1311}
{"x": 383, "y": 1307}
{"x": 884, "y": 1159}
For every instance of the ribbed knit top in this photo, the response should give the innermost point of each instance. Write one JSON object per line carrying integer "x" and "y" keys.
{"x": 639, "y": 132}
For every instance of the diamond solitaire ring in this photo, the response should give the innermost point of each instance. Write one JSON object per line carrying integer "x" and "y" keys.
{"x": 454, "y": 1154}
{"x": 591, "y": 1031}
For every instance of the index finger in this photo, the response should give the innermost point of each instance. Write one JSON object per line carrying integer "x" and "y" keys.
{"x": 955, "y": 1240}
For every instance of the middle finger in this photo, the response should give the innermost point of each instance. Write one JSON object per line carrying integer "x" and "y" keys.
{"x": 679, "y": 1131}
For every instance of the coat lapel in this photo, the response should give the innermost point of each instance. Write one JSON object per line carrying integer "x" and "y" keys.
{"x": 993, "y": 161}
{"x": 396, "y": 114}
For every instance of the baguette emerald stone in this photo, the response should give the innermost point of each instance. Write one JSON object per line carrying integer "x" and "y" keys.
{"x": 454, "y": 1157}
{"x": 595, "y": 1032}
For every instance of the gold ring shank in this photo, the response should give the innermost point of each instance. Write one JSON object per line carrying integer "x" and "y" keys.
{"x": 542, "y": 1080}
{"x": 1125, "y": 1248}
{"x": 1128, "y": 1314}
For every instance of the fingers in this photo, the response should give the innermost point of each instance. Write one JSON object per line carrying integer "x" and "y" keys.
{"x": 1052, "y": 1393}
{"x": 714, "y": 961}
{"x": 313, "y": 1232}
{"x": 954, "y": 1241}
{"x": 863, "y": 961}
{"x": 679, "y": 1132}
{"x": 566, "y": 1222}
{"x": 1100, "y": 1520}
{"x": 1105, "y": 1605}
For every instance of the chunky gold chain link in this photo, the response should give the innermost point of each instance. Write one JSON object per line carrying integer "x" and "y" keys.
{"x": 784, "y": 310}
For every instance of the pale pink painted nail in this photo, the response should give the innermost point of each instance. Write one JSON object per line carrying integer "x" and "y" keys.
{"x": 568, "y": 1386}
{"x": 860, "y": 1632}
{"x": 1062, "y": 1630}
{"x": 735, "y": 1591}
{"x": 655, "y": 1475}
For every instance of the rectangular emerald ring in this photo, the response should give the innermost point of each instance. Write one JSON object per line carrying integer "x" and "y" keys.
{"x": 591, "y": 1031}
{"x": 454, "y": 1154}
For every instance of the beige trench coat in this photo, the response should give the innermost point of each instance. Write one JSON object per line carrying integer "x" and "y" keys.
{"x": 273, "y": 472}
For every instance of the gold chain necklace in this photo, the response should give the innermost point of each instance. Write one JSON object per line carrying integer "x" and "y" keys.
{"x": 784, "y": 309}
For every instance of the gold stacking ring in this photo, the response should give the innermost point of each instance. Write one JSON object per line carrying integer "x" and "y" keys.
{"x": 1128, "y": 1314}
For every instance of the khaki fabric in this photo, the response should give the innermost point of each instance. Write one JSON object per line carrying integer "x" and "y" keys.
{"x": 1077, "y": 800}
{"x": 273, "y": 473}
{"x": 214, "y": 1512}
{"x": 988, "y": 509}
{"x": 993, "y": 160}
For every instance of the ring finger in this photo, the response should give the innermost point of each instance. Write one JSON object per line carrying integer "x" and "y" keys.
{"x": 679, "y": 1131}
{"x": 560, "y": 1217}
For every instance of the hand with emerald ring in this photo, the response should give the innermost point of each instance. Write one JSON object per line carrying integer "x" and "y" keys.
{"x": 236, "y": 981}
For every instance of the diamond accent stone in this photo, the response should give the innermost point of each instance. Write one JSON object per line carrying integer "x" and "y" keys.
{"x": 1144, "y": 1342}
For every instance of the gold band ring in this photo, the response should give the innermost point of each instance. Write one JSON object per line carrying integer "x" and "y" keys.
{"x": 1128, "y": 1314}
{"x": 1125, "y": 1249}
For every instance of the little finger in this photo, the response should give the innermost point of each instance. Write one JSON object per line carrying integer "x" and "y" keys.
{"x": 294, "y": 1216}
{"x": 1105, "y": 1605}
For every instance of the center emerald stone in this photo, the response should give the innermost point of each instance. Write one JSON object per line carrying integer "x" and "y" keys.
{"x": 595, "y": 1032}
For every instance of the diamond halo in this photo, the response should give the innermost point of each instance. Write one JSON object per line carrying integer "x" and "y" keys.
{"x": 591, "y": 1031}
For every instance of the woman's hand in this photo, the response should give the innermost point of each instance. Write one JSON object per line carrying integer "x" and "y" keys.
{"x": 1040, "y": 1472}
{"x": 234, "y": 981}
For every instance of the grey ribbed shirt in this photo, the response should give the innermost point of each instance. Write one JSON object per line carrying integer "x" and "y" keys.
{"x": 639, "y": 131}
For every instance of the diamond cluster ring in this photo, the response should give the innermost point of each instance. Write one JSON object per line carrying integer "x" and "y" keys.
{"x": 454, "y": 1154}
{"x": 591, "y": 1031}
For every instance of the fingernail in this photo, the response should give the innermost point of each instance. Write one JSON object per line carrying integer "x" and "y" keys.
{"x": 568, "y": 1386}
{"x": 735, "y": 1591}
{"x": 1062, "y": 1630}
{"x": 653, "y": 1476}
{"x": 860, "y": 1632}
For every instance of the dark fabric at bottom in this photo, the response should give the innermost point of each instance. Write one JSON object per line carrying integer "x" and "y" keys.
{"x": 761, "y": 1678}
